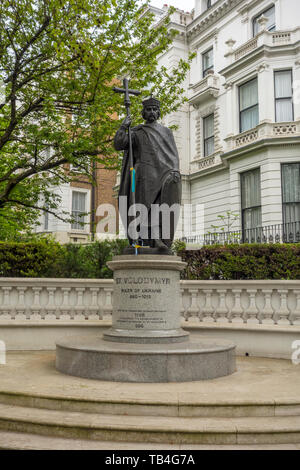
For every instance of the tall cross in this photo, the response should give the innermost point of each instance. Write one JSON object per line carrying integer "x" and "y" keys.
{"x": 127, "y": 92}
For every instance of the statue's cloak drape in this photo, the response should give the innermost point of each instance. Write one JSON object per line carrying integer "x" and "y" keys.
{"x": 154, "y": 157}
{"x": 156, "y": 163}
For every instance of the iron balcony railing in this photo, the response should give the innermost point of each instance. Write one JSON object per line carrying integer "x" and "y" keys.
{"x": 278, "y": 233}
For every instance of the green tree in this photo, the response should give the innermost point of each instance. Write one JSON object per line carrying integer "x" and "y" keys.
{"x": 59, "y": 60}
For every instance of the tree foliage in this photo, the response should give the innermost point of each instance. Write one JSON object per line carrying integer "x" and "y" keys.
{"x": 59, "y": 60}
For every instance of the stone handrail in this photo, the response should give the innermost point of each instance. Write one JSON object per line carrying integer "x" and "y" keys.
{"x": 56, "y": 301}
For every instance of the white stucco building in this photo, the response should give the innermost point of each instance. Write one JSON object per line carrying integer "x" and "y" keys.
{"x": 239, "y": 134}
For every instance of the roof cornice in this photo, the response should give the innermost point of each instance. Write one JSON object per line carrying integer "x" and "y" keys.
{"x": 211, "y": 16}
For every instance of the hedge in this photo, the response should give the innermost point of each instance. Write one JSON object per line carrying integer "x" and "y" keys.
{"x": 46, "y": 258}
{"x": 29, "y": 259}
{"x": 246, "y": 261}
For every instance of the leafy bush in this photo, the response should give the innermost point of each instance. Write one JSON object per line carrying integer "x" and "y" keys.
{"x": 89, "y": 261}
{"x": 246, "y": 261}
{"x": 178, "y": 246}
{"x": 29, "y": 259}
{"x": 47, "y": 258}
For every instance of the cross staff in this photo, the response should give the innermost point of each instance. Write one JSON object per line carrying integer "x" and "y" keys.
{"x": 127, "y": 92}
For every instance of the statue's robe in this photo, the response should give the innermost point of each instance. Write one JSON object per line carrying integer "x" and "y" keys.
{"x": 156, "y": 163}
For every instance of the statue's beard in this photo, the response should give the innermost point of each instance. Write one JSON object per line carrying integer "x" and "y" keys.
{"x": 151, "y": 118}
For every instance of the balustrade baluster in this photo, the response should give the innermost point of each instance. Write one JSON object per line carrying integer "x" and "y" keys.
{"x": 20, "y": 307}
{"x": 222, "y": 310}
{"x": 193, "y": 310}
{"x": 267, "y": 311}
{"x": 94, "y": 306}
{"x": 295, "y": 315}
{"x": 251, "y": 313}
{"x": 5, "y": 308}
{"x": 208, "y": 309}
{"x": 236, "y": 313}
{"x": 182, "y": 308}
{"x": 107, "y": 307}
{"x": 79, "y": 308}
{"x": 283, "y": 312}
{"x": 36, "y": 308}
{"x": 65, "y": 307}
{"x": 51, "y": 307}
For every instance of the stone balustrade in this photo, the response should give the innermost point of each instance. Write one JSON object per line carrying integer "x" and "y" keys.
{"x": 206, "y": 162}
{"x": 256, "y": 302}
{"x": 264, "y": 38}
{"x": 56, "y": 301}
{"x": 265, "y": 130}
{"x": 247, "y": 47}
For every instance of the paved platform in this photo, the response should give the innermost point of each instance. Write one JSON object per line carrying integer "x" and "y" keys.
{"x": 257, "y": 380}
{"x": 258, "y": 406}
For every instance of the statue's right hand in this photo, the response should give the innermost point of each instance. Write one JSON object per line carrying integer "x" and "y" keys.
{"x": 127, "y": 121}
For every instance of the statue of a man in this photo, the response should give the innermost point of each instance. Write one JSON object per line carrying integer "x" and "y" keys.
{"x": 157, "y": 177}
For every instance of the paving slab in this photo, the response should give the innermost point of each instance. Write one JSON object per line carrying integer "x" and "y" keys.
{"x": 260, "y": 381}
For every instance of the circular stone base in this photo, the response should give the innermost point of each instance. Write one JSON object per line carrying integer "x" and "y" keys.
{"x": 150, "y": 336}
{"x": 93, "y": 358}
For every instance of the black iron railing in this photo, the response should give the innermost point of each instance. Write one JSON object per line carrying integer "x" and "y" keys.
{"x": 278, "y": 233}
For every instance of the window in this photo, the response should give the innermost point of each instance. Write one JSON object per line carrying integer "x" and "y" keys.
{"x": 248, "y": 95}
{"x": 46, "y": 216}
{"x": 270, "y": 14}
{"x": 208, "y": 132}
{"x": 46, "y": 220}
{"x": 208, "y": 4}
{"x": 251, "y": 204}
{"x": 283, "y": 96}
{"x": 290, "y": 177}
{"x": 78, "y": 209}
{"x": 207, "y": 62}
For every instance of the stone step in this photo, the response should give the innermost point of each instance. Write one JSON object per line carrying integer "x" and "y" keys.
{"x": 146, "y": 407}
{"x": 24, "y": 441}
{"x": 150, "y": 429}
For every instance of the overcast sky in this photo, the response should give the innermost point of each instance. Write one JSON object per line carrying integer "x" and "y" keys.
{"x": 186, "y": 5}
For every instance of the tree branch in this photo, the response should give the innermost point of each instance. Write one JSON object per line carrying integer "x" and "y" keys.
{"x": 33, "y": 206}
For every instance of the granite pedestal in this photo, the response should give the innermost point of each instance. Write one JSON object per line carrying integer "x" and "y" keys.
{"x": 146, "y": 342}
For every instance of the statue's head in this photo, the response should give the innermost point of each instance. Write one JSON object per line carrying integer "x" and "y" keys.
{"x": 151, "y": 110}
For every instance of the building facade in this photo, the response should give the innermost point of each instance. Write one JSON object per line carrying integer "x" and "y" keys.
{"x": 239, "y": 133}
{"x": 81, "y": 199}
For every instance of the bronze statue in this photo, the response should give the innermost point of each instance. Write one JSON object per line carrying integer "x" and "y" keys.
{"x": 152, "y": 177}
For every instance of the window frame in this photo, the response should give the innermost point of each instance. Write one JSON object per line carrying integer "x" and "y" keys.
{"x": 46, "y": 221}
{"x": 205, "y": 139}
{"x": 244, "y": 229}
{"x": 204, "y": 71}
{"x": 283, "y": 204}
{"x": 284, "y": 98}
{"x": 246, "y": 109}
{"x": 82, "y": 228}
{"x": 256, "y": 17}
